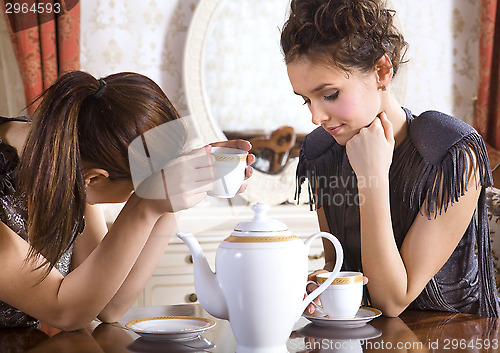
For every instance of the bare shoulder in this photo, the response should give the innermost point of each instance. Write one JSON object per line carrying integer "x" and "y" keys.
{"x": 15, "y": 133}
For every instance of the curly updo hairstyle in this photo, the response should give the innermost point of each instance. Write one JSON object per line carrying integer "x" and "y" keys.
{"x": 349, "y": 34}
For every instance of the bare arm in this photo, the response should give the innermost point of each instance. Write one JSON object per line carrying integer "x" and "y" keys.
{"x": 73, "y": 301}
{"x": 142, "y": 271}
{"x": 397, "y": 278}
{"x": 95, "y": 230}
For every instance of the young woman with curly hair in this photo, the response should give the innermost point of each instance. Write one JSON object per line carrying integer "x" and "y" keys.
{"x": 404, "y": 194}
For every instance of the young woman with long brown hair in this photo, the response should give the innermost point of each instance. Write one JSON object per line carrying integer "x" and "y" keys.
{"x": 60, "y": 264}
{"x": 404, "y": 194}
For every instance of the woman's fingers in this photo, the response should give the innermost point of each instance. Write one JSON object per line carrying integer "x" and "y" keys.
{"x": 310, "y": 287}
{"x": 239, "y": 144}
{"x": 387, "y": 125}
{"x": 312, "y": 275}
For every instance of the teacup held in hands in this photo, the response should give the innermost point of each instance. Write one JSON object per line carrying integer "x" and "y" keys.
{"x": 229, "y": 168}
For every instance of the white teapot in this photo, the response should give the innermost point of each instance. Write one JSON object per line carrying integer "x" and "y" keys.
{"x": 260, "y": 280}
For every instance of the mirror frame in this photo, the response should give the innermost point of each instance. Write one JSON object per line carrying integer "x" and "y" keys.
{"x": 272, "y": 189}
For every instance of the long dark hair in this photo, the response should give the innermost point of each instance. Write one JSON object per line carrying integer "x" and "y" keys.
{"x": 73, "y": 128}
{"x": 346, "y": 33}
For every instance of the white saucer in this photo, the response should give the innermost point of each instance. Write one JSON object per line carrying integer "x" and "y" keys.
{"x": 178, "y": 328}
{"x": 364, "y": 315}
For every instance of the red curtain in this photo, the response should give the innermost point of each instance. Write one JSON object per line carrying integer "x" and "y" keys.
{"x": 46, "y": 39}
{"x": 487, "y": 112}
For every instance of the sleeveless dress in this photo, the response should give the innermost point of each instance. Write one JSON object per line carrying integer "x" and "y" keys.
{"x": 435, "y": 149}
{"x": 13, "y": 212}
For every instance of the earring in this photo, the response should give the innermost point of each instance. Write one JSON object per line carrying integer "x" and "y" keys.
{"x": 382, "y": 88}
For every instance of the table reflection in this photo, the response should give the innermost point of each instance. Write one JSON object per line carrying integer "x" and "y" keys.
{"x": 413, "y": 331}
{"x": 20, "y": 340}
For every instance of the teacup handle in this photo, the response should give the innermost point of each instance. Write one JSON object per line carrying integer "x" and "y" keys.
{"x": 338, "y": 264}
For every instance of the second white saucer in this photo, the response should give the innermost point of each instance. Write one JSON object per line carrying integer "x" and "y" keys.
{"x": 364, "y": 315}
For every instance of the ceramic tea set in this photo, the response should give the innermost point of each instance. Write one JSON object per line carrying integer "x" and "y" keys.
{"x": 260, "y": 280}
{"x": 261, "y": 273}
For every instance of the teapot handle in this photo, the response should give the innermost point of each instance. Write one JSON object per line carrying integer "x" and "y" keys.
{"x": 338, "y": 264}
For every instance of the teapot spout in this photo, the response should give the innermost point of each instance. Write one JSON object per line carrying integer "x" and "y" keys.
{"x": 207, "y": 286}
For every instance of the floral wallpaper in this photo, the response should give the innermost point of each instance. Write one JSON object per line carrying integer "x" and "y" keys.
{"x": 141, "y": 36}
{"x": 442, "y": 72}
{"x": 148, "y": 37}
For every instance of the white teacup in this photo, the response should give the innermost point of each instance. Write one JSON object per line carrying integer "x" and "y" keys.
{"x": 342, "y": 299}
{"x": 229, "y": 167}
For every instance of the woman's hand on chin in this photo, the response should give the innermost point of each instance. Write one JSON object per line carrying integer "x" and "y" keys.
{"x": 370, "y": 151}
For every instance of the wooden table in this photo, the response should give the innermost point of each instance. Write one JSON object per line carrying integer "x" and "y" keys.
{"x": 413, "y": 331}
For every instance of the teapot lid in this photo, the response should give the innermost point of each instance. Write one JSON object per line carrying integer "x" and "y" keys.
{"x": 261, "y": 222}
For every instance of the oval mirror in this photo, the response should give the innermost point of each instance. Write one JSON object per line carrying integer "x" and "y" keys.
{"x": 235, "y": 78}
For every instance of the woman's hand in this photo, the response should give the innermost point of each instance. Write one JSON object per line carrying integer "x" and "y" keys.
{"x": 311, "y": 287}
{"x": 185, "y": 180}
{"x": 181, "y": 184}
{"x": 241, "y": 145}
{"x": 370, "y": 151}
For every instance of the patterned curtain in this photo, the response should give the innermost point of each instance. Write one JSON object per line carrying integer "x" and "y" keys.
{"x": 487, "y": 112}
{"x": 46, "y": 39}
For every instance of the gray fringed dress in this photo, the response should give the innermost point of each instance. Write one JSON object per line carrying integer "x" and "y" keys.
{"x": 13, "y": 213}
{"x": 435, "y": 149}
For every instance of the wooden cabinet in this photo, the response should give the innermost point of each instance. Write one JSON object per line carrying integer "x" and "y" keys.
{"x": 173, "y": 280}
{"x": 169, "y": 289}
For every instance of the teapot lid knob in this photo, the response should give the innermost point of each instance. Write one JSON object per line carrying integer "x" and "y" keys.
{"x": 261, "y": 222}
{"x": 260, "y": 209}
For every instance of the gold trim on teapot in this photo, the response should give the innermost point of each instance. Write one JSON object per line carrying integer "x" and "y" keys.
{"x": 262, "y": 239}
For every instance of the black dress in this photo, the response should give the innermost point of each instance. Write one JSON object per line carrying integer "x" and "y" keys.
{"x": 436, "y": 148}
{"x": 13, "y": 212}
